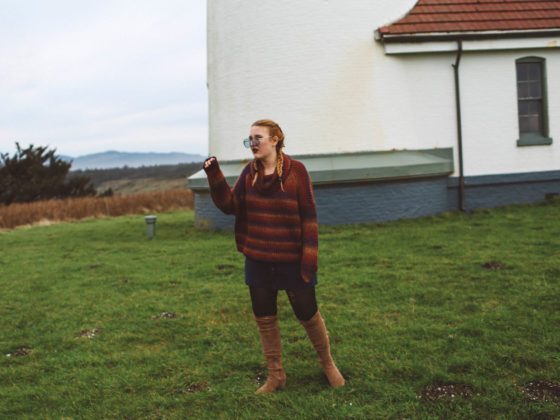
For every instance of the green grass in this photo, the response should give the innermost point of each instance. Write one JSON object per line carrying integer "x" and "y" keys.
{"x": 408, "y": 304}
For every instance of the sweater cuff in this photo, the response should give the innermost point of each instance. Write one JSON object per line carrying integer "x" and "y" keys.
{"x": 307, "y": 273}
{"x": 213, "y": 169}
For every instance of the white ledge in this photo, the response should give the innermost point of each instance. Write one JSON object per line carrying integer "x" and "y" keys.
{"x": 471, "y": 45}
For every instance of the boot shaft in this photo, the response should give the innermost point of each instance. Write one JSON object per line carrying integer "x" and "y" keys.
{"x": 272, "y": 349}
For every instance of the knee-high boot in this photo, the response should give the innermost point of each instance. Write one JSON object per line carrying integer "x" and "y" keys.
{"x": 317, "y": 333}
{"x": 272, "y": 349}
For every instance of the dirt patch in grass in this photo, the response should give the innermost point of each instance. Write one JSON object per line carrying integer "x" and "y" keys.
{"x": 225, "y": 267}
{"x": 546, "y": 391}
{"x": 493, "y": 265}
{"x": 20, "y": 352}
{"x": 164, "y": 315}
{"x": 259, "y": 375}
{"x": 196, "y": 387}
{"x": 446, "y": 392}
{"x": 89, "y": 333}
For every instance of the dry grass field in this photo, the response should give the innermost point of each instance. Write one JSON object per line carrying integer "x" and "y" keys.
{"x": 22, "y": 214}
{"x": 139, "y": 185}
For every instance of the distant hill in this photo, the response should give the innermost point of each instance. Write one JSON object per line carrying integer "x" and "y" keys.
{"x": 113, "y": 159}
{"x": 134, "y": 180}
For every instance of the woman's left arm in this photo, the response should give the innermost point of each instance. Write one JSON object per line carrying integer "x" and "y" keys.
{"x": 309, "y": 228}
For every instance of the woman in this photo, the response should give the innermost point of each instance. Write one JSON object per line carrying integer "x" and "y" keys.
{"x": 276, "y": 230}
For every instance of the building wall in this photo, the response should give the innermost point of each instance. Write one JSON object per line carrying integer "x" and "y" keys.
{"x": 489, "y": 103}
{"x": 488, "y": 92}
{"x": 315, "y": 68}
{"x": 310, "y": 65}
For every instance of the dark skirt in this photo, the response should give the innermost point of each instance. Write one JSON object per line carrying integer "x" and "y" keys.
{"x": 281, "y": 276}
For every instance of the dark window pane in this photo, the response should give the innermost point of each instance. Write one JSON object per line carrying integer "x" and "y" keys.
{"x": 534, "y": 71}
{"x": 522, "y": 90}
{"x": 534, "y": 107}
{"x": 529, "y": 125}
{"x": 521, "y": 71}
{"x": 535, "y": 90}
{"x": 534, "y": 126}
{"x": 523, "y": 108}
{"x": 524, "y": 124}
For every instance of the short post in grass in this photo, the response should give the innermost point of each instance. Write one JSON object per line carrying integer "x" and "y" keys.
{"x": 150, "y": 226}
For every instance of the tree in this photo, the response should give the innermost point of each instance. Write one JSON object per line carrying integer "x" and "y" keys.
{"x": 36, "y": 173}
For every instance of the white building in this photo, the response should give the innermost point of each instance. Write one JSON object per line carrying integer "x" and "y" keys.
{"x": 366, "y": 93}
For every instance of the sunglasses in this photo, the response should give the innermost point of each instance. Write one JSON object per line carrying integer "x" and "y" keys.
{"x": 254, "y": 141}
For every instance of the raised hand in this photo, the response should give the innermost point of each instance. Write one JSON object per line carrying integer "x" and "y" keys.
{"x": 208, "y": 162}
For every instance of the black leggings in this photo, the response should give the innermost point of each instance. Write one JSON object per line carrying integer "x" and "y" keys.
{"x": 303, "y": 302}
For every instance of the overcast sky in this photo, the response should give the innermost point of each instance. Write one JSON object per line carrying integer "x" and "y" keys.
{"x": 88, "y": 76}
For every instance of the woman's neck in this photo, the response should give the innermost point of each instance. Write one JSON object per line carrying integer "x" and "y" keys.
{"x": 269, "y": 163}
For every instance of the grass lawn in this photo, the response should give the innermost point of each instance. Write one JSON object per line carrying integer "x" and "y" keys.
{"x": 466, "y": 303}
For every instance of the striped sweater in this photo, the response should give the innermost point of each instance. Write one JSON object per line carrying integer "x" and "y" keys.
{"x": 274, "y": 221}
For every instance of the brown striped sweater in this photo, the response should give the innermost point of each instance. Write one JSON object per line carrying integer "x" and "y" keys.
{"x": 274, "y": 221}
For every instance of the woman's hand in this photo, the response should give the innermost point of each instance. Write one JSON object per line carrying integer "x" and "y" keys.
{"x": 208, "y": 162}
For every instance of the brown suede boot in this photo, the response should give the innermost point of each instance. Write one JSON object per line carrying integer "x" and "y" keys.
{"x": 317, "y": 333}
{"x": 272, "y": 349}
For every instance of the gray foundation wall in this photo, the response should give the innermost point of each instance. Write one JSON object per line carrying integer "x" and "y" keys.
{"x": 207, "y": 215}
{"x": 392, "y": 200}
{"x": 380, "y": 201}
{"x": 499, "y": 190}
{"x": 352, "y": 203}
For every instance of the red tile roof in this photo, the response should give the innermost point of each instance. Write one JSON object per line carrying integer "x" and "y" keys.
{"x": 444, "y": 16}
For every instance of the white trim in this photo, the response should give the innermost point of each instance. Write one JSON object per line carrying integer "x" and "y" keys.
{"x": 472, "y": 45}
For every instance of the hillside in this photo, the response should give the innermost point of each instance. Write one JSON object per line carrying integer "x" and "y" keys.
{"x": 143, "y": 179}
{"x": 114, "y": 159}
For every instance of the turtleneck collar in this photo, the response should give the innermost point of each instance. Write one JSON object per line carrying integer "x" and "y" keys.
{"x": 269, "y": 184}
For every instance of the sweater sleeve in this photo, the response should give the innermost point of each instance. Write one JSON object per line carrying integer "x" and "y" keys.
{"x": 225, "y": 198}
{"x": 310, "y": 232}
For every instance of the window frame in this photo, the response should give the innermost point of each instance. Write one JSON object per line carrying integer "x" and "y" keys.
{"x": 534, "y": 138}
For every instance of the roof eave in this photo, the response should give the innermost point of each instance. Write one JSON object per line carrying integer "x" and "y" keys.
{"x": 387, "y": 38}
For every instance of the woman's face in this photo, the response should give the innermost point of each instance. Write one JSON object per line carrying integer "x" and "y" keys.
{"x": 267, "y": 144}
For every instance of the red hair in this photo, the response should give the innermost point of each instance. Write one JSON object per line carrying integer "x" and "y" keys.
{"x": 275, "y": 131}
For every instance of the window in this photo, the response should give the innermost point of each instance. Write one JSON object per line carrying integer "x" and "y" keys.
{"x": 531, "y": 102}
